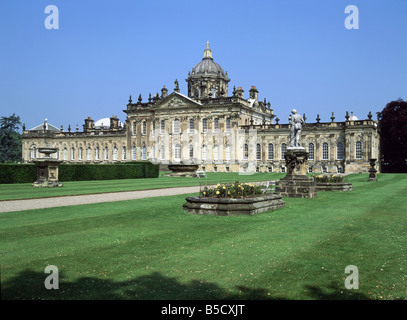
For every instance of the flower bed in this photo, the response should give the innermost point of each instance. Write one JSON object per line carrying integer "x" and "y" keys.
{"x": 328, "y": 182}
{"x": 233, "y": 199}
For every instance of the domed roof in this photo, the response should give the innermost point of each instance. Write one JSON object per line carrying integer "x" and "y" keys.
{"x": 207, "y": 65}
{"x": 104, "y": 123}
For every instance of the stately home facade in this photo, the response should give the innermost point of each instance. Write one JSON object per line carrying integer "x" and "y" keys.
{"x": 210, "y": 128}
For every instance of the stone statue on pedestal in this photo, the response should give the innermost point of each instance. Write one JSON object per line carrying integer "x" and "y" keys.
{"x": 296, "y": 122}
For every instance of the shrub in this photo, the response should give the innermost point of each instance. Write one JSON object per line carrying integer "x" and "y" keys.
{"x": 17, "y": 173}
{"x": 232, "y": 190}
{"x": 329, "y": 178}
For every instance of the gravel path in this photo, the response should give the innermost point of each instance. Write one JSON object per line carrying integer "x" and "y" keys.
{"x": 30, "y": 204}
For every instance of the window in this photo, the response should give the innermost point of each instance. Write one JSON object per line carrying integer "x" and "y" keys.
{"x": 144, "y": 128}
{"x": 310, "y": 169}
{"x": 97, "y": 151}
{"x": 213, "y": 91}
{"x": 162, "y": 126}
{"x": 191, "y": 151}
{"x": 324, "y": 170}
{"x": 114, "y": 154}
{"x": 283, "y": 151}
{"x": 33, "y": 152}
{"x": 311, "y": 154}
{"x": 325, "y": 151}
{"x": 258, "y": 151}
{"x": 134, "y": 153}
{"x": 191, "y": 125}
{"x": 204, "y": 125}
{"x": 124, "y": 153}
{"x": 175, "y": 127}
{"x": 339, "y": 151}
{"x": 162, "y": 153}
{"x": 134, "y": 128}
{"x": 340, "y": 170}
{"x": 72, "y": 153}
{"x": 227, "y": 124}
{"x": 65, "y": 154}
{"x": 80, "y": 154}
{"x": 153, "y": 151}
{"x": 358, "y": 150}
{"x": 89, "y": 154}
{"x": 177, "y": 152}
{"x": 245, "y": 151}
{"x": 270, "y": 169}
{"x": 144, "y": 152}
{"x": 204, "y": 152}
{"x": 106, "y": 154}
{"x": 270, "y": 155}
{"x": 227, "y": 153}
{"x": 153, "y": 131}
{"x": 216, "y": 125}
{"x": 216, "y": 153}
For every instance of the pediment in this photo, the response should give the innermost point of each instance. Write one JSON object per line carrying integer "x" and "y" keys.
{"x": 177, "y": 101}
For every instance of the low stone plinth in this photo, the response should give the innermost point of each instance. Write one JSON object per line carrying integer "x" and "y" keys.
{"x": 182, "y": 170}
{"x": 334, "y": 186}
{"x": 293, "y": 186}
{"x": 229, "y": 207}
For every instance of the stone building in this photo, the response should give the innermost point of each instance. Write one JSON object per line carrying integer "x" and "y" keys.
{"x": 209, "y": 127}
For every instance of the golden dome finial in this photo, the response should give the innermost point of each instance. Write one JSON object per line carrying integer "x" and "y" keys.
{"x": 207, "y": 51}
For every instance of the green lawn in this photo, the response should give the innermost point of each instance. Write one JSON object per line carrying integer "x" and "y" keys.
{"x": 26, "y": 191}
{"x": 152, "y": 249}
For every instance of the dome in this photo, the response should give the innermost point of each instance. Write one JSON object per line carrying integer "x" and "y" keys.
{"x": 353, "y": 117}
{"x": 105, "y": 123}
{"x": 207, "y": 65}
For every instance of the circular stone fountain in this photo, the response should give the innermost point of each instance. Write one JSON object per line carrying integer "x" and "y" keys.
{"x": 47, "y": 169}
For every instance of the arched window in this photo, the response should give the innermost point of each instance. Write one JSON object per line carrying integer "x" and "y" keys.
{"x": 191, "y": 151}
{"x": 227, "y": 153}
{"x": 358, "y": 150}
{"x": 33, "y": 151}
{"x": 176, "y": 127}
{"x": 72, "y": 153}
{"x": 227, "y": 124}
{"x": 144, "y": 128}
{"x": 162, "y": 127}
{"x": 65, "y": 154}
{"x": 311, "y": 152}
{"x": 97, "y": 153}
{"x": 134, "y": 153}
{"x": 216, "y": 152}
{"x": 162, "y": 152}
{"x": 115, "y": 153}
{"x": 89, "y": 154}
{"x": 258, "y": 151}
{"x": 283, "y": 150}
{"x": 245, "y": 151}
{"x": 134, "y": 128}
{"x": 124, "y": 153}
{"x": 144, "y": 152}
{"x": 216, "y": 125}
{"x": 325, "y": 151}
{"x": 339, "y": 151}
{"x": 153, "y": 151}
{"x": 270, "y": 155}
{"x": 177, "y": 152}
{"x": 106, "y": 153}
{"x": 204, "y": 151}
{"x": 204, "y": 125}
{"x": 80, "y": 155}
{"x": 191, "y": 125}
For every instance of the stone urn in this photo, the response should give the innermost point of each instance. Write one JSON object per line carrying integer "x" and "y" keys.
{"x": 372, "y": 170}
{"x": 47, "y": 169}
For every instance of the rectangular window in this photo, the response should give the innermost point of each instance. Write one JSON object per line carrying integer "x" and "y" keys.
{"x": 162, "y": 127}
{"x": 216, "y": 125}
{"x": 134, "y": 153}
{"x": 311, "y": 151}
{"x": 191, "y": 125}
{"x": 176, "y": 127}
{"x": 270, "y": 152}
{"x": 325, "y": 149}
{"x": 227, "y": 124}
{"x": 204, "y": 125}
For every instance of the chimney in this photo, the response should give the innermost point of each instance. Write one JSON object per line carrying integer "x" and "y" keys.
{"x": 164, "y": 92}
{"x": 239, "y": 92}
{"x": 89, "y": 124}
{"x": 114, "y": 123}
{"x": 254, "y": 94}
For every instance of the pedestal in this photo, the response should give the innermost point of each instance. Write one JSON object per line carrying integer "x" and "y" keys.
{"x": 296, "y": 184}
{"x": 372, "y": 170}
{"x": 47, "y": 173}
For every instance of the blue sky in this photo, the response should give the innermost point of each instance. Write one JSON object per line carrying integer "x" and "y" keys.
{"x": 297, "y": 53}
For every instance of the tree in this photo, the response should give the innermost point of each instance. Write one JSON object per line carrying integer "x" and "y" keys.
{"x": 393, "y": 136}
{"x": 10, "y": 139}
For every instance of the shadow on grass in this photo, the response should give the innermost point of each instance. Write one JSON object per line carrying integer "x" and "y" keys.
{"x": 29, "y": 285}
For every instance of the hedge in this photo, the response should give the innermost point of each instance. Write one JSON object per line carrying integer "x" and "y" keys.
{"x": 27, "y": 173}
